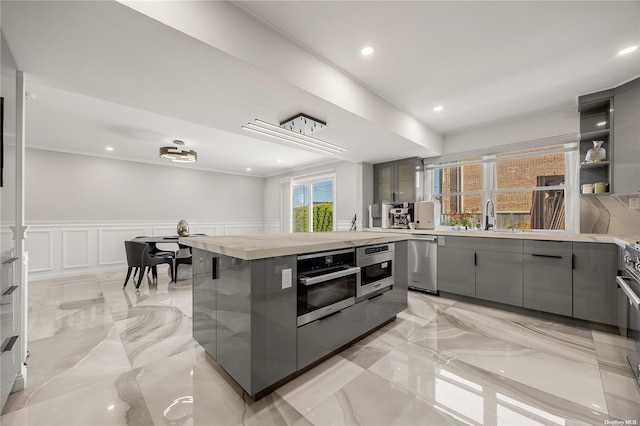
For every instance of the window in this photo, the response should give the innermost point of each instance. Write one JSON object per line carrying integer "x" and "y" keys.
{"x": 459, "y": 186}
{"x": 313, "y": 201}
{"x": 528, "y": 188}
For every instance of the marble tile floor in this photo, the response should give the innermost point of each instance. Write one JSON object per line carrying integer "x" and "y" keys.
{"x": 101, "y": 355}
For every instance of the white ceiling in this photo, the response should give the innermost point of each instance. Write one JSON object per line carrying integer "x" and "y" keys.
{"x": 107, "y": 74}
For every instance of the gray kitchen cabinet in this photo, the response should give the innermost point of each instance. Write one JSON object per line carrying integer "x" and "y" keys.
{"x": 485, "y": 268}
{"x": 456, "y": 269}
{"x": 626, "y": 158}
{"x": 322, "y": 337}
{"x": 395, "y": 181}
{"x": 254, "y": 316}
{"x": 547, "y": 276}
{"x": 10, "y": 339}
{"x": 499, "y": 271}
{"x": 499, "y": 277}
{"x": 594, "y": 282}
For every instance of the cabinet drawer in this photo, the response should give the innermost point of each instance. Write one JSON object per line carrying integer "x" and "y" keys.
{"x": 324, "y": 336}
{"x": 321, "y": 337}
{"x": 468, "y": 243}
{"x": 548, "y": 248}
{"x": 506, "y": 245}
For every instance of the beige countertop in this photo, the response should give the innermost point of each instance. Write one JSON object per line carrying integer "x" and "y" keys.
{"x": 620, "y": 240}
{"x": 250, "y": 247}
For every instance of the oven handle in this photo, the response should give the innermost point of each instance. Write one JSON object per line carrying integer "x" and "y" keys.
{"x": 330, "y": 276}
{"x": 633, "y": 299}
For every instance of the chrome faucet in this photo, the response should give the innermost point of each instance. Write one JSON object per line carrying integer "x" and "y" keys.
{"x": 488, "y": 225}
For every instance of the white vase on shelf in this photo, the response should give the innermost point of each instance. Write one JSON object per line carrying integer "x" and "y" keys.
{"x": 597, "y": 153}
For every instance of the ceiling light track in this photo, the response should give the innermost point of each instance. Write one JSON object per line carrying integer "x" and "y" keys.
{"x": 297, "y": 138}
{"x": 266, "y": 132}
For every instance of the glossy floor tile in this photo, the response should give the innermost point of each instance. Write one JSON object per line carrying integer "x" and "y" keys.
{"x": 101, "y": 355}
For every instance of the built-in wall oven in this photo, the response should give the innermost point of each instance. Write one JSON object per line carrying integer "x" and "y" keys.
{"x": 376, "y": 263}
{"x": 327, "y": 283}
{"x": 629, "y": 308}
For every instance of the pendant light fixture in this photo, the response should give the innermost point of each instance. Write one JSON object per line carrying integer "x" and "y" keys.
{"x": 178, "y": 155}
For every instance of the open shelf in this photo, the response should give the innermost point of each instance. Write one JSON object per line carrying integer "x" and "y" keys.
{"x": 593, "y": 164}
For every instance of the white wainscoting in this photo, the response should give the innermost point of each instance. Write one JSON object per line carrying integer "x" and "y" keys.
{"x": 76, "y": 248}
{"x": 59, "y": 249}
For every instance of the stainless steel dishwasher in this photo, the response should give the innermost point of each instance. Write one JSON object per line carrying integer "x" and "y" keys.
{"x": 423, "y": 263}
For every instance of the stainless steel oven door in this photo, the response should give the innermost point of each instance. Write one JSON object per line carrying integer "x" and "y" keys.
{"x": 377, "y": 269}
{"x": 631, "y": 288}
{"x": 325, "y": 293}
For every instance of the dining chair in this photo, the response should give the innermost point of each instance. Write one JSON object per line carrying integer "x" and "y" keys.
{"x": 139, "y": 256}
{"x": 133, "y": 251}
{"x": 184, "y": 256}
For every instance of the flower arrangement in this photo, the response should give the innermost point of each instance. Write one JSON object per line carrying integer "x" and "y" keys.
{"x": 463, "y": 219}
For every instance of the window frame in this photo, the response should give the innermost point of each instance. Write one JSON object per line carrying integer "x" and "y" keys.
{"x": 490, "y": 190}
{"x": 309, "y": 180}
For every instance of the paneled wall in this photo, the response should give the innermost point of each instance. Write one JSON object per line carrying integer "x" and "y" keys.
{"x": 72, "y": 248}
{"x": 81, "y": 209}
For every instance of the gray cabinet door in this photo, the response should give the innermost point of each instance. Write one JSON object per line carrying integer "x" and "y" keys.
{"x": 383, "y": 182}
{"x": 499, "y": 276}
{"x": 405, "y": 180}
{"x": 594, "y": 282}
{"x": 204, "y": 300}
{"x": 456, "y": 271}
{"x": 395, "y": 181}
{"x": 548, "y": 283}
{"x": 626, "y": 155}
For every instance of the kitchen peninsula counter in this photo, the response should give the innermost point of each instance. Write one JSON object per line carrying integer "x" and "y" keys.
{"x": 250, "y": 247}
{"x": 620, "y": 240}
{"x": 245, "y": 304}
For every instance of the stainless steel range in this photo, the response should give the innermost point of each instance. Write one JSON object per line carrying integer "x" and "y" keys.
{"x": 629, "y": 305}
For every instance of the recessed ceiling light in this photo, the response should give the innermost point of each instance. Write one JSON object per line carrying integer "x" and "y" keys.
{"x": 366, "y": 51}
{"x": 438, "y": 108}
{"x": 279, "y": 160}
{"x": 628, "y": 50}
{"x": 248, "y": 169}
{"x": 109, "y": 148}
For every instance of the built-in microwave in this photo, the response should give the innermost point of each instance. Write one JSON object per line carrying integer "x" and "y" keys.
{"x": 327, "y": 283}
{"x": 376, "y": 265}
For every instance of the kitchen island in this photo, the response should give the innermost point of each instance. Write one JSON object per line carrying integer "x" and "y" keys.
{"x": 245, "y": 304}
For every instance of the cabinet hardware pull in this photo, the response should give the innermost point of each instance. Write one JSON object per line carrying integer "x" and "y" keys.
{"x": 214, "y": 268}
{"x": 10, "y": 260}
{"x": 329, "y": 316}
{"x": 475, "y": 259}
{"x": 9, "y": 342}
{"x": 573, "y": 262}
{"x": 308, "y": 281}
{"x": 546, "y": 255}
{"x": 10, "y": 290}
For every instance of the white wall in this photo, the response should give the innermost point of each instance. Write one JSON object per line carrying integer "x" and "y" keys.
{"x": 347, "y": 194}
{"x": 544, "y": 125}
{"x": 80, "y": 209}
